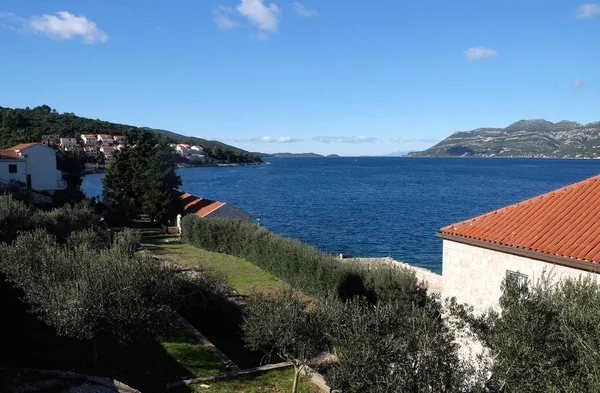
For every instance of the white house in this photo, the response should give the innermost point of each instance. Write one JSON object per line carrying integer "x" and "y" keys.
{"x": 64, "y": 142}
{"x": 12, "y": 167}
{"x": 120, "y": 139}
{"x": 89, "y": 139}
{"x": 183, "y": 149}
{"x": 107, "y": 149}
{"x": 105, "y": 138}
{"x": 557, "y": 232}
{"x": 40, "y": 166}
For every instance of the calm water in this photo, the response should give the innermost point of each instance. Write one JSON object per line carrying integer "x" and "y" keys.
{"x": 376, "y": 206}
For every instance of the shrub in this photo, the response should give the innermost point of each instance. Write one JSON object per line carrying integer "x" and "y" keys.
{"x": 14, "y": 216}
{"x": 546, "y": 337}
{"x": 302, "y": 266}
{"x": 392, "y": 347}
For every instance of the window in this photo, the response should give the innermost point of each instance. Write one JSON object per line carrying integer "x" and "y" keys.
{"x": 520, "y": 278}
{"x": 12, "y": 168}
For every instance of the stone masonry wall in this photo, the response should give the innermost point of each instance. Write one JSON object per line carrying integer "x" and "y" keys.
{"x": 473, "y": 274}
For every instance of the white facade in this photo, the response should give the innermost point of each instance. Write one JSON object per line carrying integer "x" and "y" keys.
{"x": 7, "y": 166}
{"x": 64, "y": 142}
{"x": 474, "y": 274}
{"x": 89, "y": 140}
{"x": 40, "y": 162}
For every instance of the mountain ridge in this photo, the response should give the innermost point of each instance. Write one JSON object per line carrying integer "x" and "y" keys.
{"x": 523, "y": 138}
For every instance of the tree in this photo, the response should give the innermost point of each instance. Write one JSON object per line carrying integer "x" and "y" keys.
{"x": 393, "y": 347}
{"x": 143, "y": 178}
{"x": 282, "y": 325}
{"x": 83, "y": 292}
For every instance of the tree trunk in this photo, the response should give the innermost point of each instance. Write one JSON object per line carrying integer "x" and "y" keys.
{"x": 94, "y": 350}
{"x": 296, "y": 375}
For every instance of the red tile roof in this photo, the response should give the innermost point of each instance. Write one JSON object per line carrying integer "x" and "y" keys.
{"x": 198, "y": 206}
{"x": 23, "y": 146}
{"x": 10, "y": 155}
{"x": 564, "y": 222}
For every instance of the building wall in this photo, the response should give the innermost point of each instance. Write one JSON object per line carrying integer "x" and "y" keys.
{"x": 474, "y": 275}
{"x": 21, "y": 174}
{"x": 41, "y": 165}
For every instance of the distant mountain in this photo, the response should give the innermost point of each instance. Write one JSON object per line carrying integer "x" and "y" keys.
{"x": 525, "y": 138}
{"x": 290, "y": 155}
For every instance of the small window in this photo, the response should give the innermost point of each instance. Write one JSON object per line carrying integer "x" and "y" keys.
{"x": 12, "y": 168}
{"x": 520, "y": 278}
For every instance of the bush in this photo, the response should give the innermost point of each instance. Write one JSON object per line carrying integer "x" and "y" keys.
{"x": 16, "y": 216}
{"x": 82, "y": 292}
{"x": 302, "y": 266}
{"x": 392, "y": 347}
{"x": 546, "y": 337}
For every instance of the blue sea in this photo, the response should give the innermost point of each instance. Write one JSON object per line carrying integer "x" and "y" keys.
{"x": 375, "y": 206}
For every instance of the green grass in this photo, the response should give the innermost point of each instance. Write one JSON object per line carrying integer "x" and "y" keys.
{"x": 268, "y": 382}
{"x": 243, "y": 276}
{"x": 145, "y": 364}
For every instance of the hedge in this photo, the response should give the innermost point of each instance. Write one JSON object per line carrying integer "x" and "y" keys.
{"x": 300, "y": 265}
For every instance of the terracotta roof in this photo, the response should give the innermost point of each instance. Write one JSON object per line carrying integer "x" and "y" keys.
{"x": 564, "y": 222}
{"x": 23, "y": 146}
{"x": 10, "y": 155}
{"x": 198, "y": 206}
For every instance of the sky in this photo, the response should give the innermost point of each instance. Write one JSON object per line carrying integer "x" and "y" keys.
{"x": 350, "y": 77}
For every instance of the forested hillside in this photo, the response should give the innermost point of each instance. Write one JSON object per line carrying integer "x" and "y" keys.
{"x": 28, "y": 125}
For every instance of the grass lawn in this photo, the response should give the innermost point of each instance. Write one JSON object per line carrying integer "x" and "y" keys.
{"x": 241, "y": 275}
{"x": 145, "y": 364}
{"x": 268, "y": 382}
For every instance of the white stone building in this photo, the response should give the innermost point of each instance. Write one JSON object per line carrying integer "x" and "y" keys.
{"x": 105, "y": 139}
{"x": 66, "y": 142}
{"x": 89, "y": 139}
{"x": 39, "y": 163}
{"x": 557, "y": 233}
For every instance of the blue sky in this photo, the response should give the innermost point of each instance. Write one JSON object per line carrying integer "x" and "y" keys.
{"x": 348, "y": 77}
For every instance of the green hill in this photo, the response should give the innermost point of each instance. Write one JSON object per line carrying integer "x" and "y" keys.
{"x": 28, "y": 125}
{"x": 525, "y": 138}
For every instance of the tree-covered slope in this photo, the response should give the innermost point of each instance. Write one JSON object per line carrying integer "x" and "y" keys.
{"x": 28, "y": 125}
{"x": 525, "y": 138}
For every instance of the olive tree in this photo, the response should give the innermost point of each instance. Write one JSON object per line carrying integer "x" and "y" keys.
{"x": 83, "y": 291}
{"x": 281, "y": 325}
{"x": 546, "y": 337}
{"x": 392, "y": 347}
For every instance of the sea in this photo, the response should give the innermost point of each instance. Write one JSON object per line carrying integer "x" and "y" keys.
{"x": 375, "y": 206}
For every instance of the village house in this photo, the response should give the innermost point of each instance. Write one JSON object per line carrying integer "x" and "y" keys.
{"x": 65, "y": 142}
{"x": 105, "y": 139}
{"x": 557, "y": 233}
{"x": 120, "y": 139}
{"x": 91, "y": 151}
{"x": 183, "y": 149}
{"x": 33, "y": 164}
{"x": 89, "y": 139}
{"x": 12, "y": 167}
{"x": 107, "y": 149}
{"x": 50, "y": 140}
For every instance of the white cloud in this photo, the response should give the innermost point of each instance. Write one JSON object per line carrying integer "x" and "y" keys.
{"x": 478, "y": 53}
{"x": 345, "y": 139}
{"x": 588, "y": 11}
{"x": 579, "y": 84}
{"x": 266, "y": 18}
{"x": 66, "y": 26}
{"x": 222, "y": 16}
{"x": 267, "y": 139}
{"x": 411, "y": 140}
{"x": 301, "y": 10}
